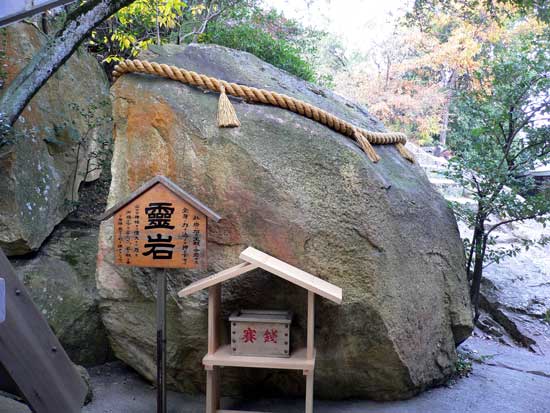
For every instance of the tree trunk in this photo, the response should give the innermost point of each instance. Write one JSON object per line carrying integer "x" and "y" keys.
{"x": 387, "y": 80}
{"x": 450, "y": 85}
{"x": 477, "y": 273}
{"x": 44, "y": 22}
{"x": 157, "y": 22}
{"x": 469, "y": 271}
{"x": 445, "y": 121}
{"x": 54, "y": 53}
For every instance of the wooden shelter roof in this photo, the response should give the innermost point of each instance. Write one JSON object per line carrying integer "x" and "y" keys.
{"x": 257, "y": 259}
{"x": 159, "y": 179}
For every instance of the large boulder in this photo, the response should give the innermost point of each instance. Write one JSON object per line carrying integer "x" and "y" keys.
{"x": 55, "y": 138}
{"x": 307, "y": 195}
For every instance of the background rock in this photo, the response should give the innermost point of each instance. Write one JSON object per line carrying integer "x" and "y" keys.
{"x": 61, "y": 281}
{"x": 307, "y": 195}
{"x": 515, "y": 293}
{"x": 40, "y": 174}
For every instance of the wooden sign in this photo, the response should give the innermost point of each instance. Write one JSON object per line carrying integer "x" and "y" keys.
{"x": 159, "y": 229}
{"x": 2, "y": 300}
{"x": 162, "y": 226}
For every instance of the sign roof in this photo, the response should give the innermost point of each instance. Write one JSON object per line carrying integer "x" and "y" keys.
{"x": 159, "y": 179}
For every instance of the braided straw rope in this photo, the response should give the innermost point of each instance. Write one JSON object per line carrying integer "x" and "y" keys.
{"x": 253, "y": 95}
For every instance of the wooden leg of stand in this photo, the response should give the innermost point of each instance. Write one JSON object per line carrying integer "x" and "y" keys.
{"x": 217, "y": 395}
{"x": 212, "y": 390}
{"x": 309, "y": 392}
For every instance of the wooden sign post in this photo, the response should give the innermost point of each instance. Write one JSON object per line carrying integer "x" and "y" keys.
{"x": 161, "y": 226}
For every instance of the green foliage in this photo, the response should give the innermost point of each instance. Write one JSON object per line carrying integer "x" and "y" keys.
{"x": 239, "y": 24}
{"x": 283, "y": 43}
{"x": 463, "y": 365}
{"x": 540, "y": 8}
{"x": 136, "y": 27}
{"x": 500, "y": 133}
{"x": 468, "y": 8}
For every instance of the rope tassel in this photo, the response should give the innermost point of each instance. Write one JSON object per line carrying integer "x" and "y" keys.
{"x": 227, "y": 117}
{"x": 405, "y": 153}
{"x": 367, "y": 147}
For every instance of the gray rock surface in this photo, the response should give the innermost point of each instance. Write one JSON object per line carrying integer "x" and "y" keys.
{"x": 307, "y": 195}
{"x": 516, "y": 293}
{"x": 40, "y": 174}
{"x": 8, "y": 405}
{"x": 61, "y": 281}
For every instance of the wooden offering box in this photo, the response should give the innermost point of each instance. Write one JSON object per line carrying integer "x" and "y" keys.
{"x": 260, "y": 333}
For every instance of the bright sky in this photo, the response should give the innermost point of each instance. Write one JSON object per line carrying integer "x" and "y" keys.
{"x": 358, "y": 23}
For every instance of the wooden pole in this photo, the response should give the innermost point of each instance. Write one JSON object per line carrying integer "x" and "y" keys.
{"x": 212, "y": 394}
{"x": 310, "y": 324}
{"x": 214, "y": 298}
{"x": 213, "y": 375}
{"x": 310, "y": 349}
{"x": 309, "y": 392}
{"x": 161, "y": 342}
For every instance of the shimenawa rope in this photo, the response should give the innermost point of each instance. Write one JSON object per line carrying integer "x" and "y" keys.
{"x": 227, "y": 116}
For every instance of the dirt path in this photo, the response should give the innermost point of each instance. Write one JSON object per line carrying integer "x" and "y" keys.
{"x": 504, "y": 380}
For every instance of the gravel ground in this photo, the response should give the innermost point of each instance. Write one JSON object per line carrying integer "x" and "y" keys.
{"x": 504, "y": 380}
